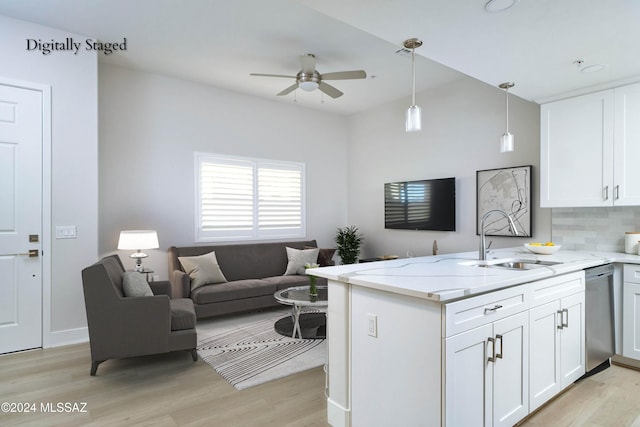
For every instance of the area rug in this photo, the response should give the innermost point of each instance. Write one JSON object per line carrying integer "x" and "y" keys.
{"x": 246, "y": 350}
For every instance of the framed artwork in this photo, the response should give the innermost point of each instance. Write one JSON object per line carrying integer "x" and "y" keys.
{"x": 508, "y": 190}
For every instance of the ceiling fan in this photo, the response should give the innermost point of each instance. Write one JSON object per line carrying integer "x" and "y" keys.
{"x": 309, "y": 79}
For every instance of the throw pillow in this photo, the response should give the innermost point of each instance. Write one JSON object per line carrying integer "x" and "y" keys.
{"x": 135, "y": 285}
{"x": 202, "y": 269}
{"x": 325, "y": 256}
{"x": 298, "y": 258}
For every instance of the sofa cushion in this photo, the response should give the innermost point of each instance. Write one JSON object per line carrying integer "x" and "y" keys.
{"x": 298, "y": 258}
{"x": 237, "y": 289}
{"x": 202, "y": 269}
{"x": 135, "y": 285}
{"x": 325, "y": 256}
{"x": 183, "y": 315}
{"x": 283, "y": 282}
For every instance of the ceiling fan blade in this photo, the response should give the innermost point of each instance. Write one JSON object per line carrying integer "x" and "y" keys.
{"x": 289, "y": 89}
{"x": 330, "y": 90}
{"x": 272, "y": 75}
{"x": 308, "y": 63}
{"x": 344, "y": 75}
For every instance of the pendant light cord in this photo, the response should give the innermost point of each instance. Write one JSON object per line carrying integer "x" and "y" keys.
{"x": 413, "y": 75}
{"x": 507, "y": 102}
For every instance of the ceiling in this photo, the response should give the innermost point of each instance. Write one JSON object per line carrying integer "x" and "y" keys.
{"x": 535, "y": 43}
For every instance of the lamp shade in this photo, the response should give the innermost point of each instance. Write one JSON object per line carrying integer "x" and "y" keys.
{"x": 138, "y": 239}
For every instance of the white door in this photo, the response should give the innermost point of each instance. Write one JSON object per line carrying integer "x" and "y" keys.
{"x": 20, "y": 218}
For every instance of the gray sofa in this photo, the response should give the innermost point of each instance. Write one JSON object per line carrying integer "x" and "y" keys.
{"x": 254, "y": 272}
{"x": 121, "y": 326}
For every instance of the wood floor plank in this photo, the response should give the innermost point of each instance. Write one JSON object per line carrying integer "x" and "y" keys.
{"x": 171, "y": 390}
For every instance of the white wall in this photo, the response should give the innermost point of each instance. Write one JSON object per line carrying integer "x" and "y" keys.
{"x": 461, "y": 126}
{"x": 74, "y": 178}
{"x": 150, "y": 127}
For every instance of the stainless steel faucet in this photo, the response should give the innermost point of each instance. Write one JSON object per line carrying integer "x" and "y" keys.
{"x": 512, "y": 226}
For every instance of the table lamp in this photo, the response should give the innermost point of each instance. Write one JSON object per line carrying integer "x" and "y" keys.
{"x": 138, "y": 240}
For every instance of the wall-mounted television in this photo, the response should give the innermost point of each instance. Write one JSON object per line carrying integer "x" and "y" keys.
{"x": 428, "y": 204}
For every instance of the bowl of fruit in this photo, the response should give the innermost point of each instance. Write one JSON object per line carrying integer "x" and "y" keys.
{"x": 543, "y": 248}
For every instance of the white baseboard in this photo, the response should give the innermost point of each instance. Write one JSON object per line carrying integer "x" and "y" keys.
{"x": 337, "y": 416}
{"x": 66, "y": 337}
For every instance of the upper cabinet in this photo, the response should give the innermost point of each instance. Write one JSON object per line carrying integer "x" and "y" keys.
{"x": 626, "y": 149}
{"x": 587, "y": 147}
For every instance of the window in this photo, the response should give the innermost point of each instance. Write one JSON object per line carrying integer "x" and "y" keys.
{"x": 248, "y": 199}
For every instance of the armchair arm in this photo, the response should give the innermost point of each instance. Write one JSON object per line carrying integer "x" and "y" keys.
{"x": 130, "y": 326}
{"x": 180, "y": 285}
{"x": 162, "y": 287}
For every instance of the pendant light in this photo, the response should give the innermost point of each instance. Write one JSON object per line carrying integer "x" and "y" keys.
{"x": 506, "y": 141}
{"x": 414, "y": 115}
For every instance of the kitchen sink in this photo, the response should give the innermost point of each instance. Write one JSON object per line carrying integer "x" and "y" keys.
{"x": 511, "y": 263}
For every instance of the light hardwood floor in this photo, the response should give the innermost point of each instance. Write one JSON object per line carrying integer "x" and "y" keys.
{"x": 171, "y": 390}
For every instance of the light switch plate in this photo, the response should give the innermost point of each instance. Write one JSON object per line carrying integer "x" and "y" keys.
{"x": 372, "y": 320}
{"x": 65, "y": 231}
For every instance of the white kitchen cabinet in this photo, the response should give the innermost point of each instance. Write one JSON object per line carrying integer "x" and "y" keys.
{"x": 486, "y": 374}
{"x": 588, "y": 148}
{"x": 626, "y": 190}
{"x": 631, "y": 312}
{"x": 557, "y": 336}
{"x": 399, "y": 360}
{"x": 487, "y": 358}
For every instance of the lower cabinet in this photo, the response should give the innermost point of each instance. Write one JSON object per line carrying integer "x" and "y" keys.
{"x": 557, "y": 344}
{"x": 508, "y": 352}
{"x": 487, "y": 374}
{"x": 631, "y": 318}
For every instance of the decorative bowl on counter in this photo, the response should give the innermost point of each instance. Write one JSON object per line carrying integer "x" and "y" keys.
{"x": 542, "y": 248}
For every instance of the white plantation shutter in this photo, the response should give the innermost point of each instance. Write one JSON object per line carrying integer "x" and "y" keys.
{"x": 242, "y": 198}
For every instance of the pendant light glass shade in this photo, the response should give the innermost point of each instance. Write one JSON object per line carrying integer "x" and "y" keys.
{"x": 414, "y": 114}
{"x": 414, "y": 119}
{"x": 507, "y": 143}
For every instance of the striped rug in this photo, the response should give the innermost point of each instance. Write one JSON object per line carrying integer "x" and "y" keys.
{"x": 247, "y": 351}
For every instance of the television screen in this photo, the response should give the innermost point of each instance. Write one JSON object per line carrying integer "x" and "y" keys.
{"x": 421, "y": 205}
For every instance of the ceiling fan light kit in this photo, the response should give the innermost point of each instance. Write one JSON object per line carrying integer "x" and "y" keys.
{"x": 309, "y": 79}
{"x": 507, "y": 143}
{"x": 414, "y": 114}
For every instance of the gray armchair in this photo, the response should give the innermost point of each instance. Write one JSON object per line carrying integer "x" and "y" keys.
{"x": 121, "y": 326}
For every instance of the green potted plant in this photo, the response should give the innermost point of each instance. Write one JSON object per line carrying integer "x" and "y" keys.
{"x": 349, "y": 240}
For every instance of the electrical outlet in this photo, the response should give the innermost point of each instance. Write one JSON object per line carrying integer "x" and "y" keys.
{"x": 372, "y": 325}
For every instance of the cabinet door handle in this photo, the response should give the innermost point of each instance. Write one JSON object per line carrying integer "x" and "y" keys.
{"x": 499, "y": 355}
{"x": 606, "y": 193}
{"x": 560, "y": 319}
{"x": 565, "y": 324}
{"x": 492, "y": 358}
{"x": 616, "y": 192}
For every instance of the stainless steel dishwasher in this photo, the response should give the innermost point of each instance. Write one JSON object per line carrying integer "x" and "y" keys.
{"x": 600, "y": 336}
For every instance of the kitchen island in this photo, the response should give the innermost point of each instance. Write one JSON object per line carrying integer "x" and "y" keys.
{"x": 433, "y": 341}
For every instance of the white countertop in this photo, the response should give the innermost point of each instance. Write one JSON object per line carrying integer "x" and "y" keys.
{"x": 442, "y": 278}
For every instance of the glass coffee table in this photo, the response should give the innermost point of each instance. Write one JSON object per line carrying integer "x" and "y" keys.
{"x": 313, "y": 324}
